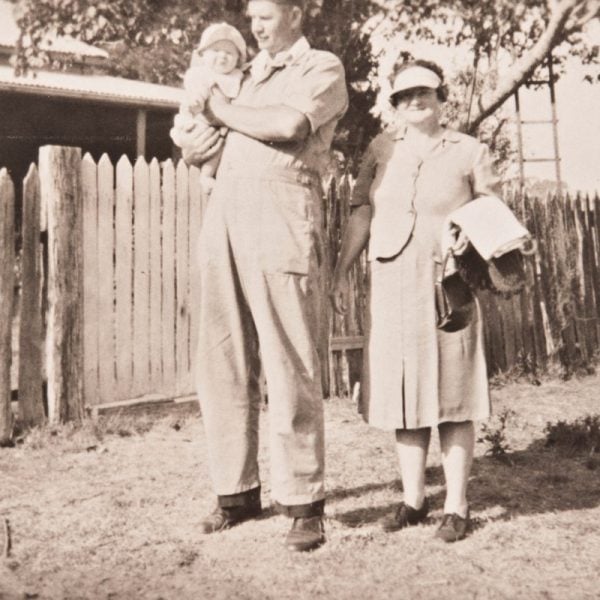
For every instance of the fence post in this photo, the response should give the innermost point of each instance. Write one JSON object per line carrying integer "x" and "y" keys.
{"x": 60, "y": 192}
{"x": 31, "y": 403}
{"x": 7, "y": 273}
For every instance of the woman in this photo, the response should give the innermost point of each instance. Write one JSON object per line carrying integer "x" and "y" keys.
{"x": 417, "y": 376}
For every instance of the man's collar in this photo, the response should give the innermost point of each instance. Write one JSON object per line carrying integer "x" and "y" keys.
{"x": 295, "y": 51}
{"x": 285, "y": 57}
{"x": 263, "y": 65}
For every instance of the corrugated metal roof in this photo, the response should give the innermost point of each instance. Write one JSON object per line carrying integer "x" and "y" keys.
{"x": 99, "y": 88}
{"x": 9, "y": 35}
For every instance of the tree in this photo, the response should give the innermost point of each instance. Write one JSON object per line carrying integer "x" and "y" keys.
{"x": 153, "y": 39}
{"x": 509, "y": 41}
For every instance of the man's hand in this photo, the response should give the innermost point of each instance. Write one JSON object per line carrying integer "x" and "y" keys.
{"x": 338, "y": 293}
{"x": 198, "y": 145}
{"x": 215, "y": 102}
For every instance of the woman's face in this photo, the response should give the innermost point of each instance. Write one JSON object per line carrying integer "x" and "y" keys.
{"x": 418, "y": 105}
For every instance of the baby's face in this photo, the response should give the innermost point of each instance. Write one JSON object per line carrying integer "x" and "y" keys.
{"x": 222, "y": 56}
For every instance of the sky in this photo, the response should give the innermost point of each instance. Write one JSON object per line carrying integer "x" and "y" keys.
{"x": 578, "y": 110}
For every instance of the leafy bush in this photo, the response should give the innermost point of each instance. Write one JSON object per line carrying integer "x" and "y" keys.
{"x": 581, "y": 435}
{"x": 495, "y": 436}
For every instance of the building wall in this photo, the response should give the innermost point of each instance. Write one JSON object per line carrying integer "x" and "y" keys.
{"x": 28, "y": 122}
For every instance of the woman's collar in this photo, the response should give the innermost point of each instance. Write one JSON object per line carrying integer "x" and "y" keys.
{"x": 448, "y": 135}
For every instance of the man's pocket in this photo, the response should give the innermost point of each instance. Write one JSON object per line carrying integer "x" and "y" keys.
{"x": 287, "y": 226}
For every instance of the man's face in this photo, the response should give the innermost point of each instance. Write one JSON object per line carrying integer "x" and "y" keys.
{"x": 273, "y": 25}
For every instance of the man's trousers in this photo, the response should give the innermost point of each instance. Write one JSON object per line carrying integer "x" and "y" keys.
{"x": 261, "y": 300}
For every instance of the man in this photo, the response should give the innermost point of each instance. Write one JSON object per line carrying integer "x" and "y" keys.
{"x": 260, "y": 252}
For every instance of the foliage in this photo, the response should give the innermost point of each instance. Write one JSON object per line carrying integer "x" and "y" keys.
{"x": 580, "y": 435}
{"x": 152, "y": 40}
{"x": 508, "y": 41}
{"x": 495, "y": 436}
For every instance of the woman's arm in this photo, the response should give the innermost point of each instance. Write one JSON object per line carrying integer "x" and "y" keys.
{"x": 354, "y": 241}
{"x": 356, "y": 234}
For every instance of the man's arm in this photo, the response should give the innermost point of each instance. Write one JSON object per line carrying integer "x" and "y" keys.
{"x": 268, "y": 124}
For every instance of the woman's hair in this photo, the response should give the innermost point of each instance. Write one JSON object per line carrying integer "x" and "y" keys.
{"x": 441, "y": 91}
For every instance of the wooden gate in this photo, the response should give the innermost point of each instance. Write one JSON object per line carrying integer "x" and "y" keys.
{"x": 106, "y": 283}
{"x": 140, "y": 225}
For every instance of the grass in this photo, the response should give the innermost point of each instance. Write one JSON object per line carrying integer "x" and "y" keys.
{"x": 110, "y": 510}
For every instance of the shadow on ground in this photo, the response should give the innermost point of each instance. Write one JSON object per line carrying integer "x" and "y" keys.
{"x": 533, "y": 481}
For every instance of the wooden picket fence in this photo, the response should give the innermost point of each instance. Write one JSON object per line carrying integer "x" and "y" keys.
{"x": 556, "y": 319}
{"x": 554, "y": 322}
{"x": 139, "y": 280}
{"x": 107, "y": 282}
{"x": 106, "y": 278}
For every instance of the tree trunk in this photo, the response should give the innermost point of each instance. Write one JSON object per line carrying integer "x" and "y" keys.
{"x": 525, "y": 67}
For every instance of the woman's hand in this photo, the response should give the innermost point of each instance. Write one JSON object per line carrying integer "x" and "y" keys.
{"x": 199, "y": 144}
{"x": 338, "y": 294}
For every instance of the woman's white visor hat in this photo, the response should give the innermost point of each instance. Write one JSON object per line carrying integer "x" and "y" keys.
{"x": 415, "y": 77}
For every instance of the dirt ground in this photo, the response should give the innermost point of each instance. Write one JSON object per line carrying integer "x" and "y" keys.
{"x": 111, "y": 510}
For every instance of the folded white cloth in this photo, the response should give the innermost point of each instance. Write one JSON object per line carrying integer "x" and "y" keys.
{"x": 488, "y": 224}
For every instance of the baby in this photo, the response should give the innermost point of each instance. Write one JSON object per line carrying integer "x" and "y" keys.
{"x": 215, "y": 62}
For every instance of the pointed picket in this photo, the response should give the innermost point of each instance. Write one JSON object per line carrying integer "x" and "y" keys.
{"x": 106, "y": 282}
{"x": 123, "y": 277}
{"x": 182, "y": 329}
{"x": 196, "y": 214}
{"x": 155, "y": 277}
{"x": 168, "y": 276}
{"x": 141, "y": 279}
{"x": 89, "y": 191}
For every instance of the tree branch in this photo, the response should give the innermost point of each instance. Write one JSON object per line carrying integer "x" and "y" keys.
{"x": 586, "y": 12}
{"x": 525, "y": 67}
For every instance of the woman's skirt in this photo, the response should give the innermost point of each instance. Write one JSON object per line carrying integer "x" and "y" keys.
{"x": 416, "y": 375}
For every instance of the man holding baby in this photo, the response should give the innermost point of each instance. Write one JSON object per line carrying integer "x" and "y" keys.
{"x": 260, "y": 253}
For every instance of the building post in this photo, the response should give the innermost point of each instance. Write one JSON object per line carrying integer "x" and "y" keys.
{"x": 141, "y": 123}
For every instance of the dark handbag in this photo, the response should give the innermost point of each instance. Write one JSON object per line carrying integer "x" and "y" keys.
{"x": 454, "y": 300}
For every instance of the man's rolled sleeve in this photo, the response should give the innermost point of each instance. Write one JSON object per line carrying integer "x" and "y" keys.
{"x": 320, "y": 92}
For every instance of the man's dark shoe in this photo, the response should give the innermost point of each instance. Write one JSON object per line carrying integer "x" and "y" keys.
{"x": 404, "y": 516}
{"x": 223, "y": 518}
{"x": 453, "y": 527}
{"x": 307, "y": 533}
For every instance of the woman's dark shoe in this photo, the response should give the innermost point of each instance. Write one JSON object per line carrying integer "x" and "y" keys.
{"x": 223, "y": 518}
{"x": 307, "y": 533}
{"x": 404, "y": 516}
{"x": 453, "y": 527}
